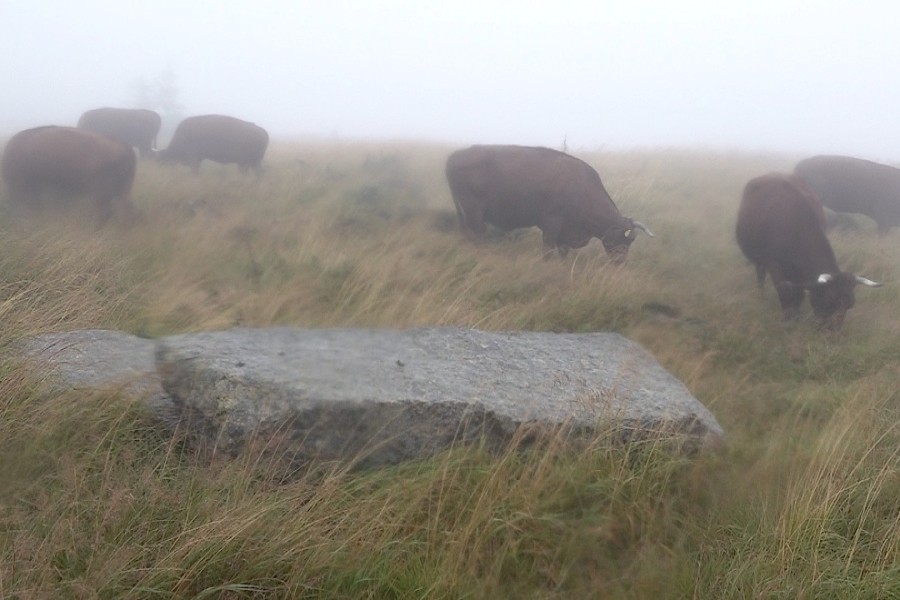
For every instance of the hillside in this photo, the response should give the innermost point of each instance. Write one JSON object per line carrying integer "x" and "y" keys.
{"x": 95, "y": 502}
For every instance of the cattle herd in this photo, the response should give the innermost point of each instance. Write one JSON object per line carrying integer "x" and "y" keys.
{"x": 96, "y": 158}
{"x": 780, "y": 225}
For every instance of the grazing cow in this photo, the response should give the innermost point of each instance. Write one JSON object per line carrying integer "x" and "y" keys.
{"x": 512, "y": 187}
{"x": 854, "y": 185}
{"x": 57, "y": 163}
{"x": 217, "y": 138}
{"x": 134, "y": 126}
{"x": 781, "y": 230}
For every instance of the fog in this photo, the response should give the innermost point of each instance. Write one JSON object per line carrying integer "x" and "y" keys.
{"x": 769, "y": 75}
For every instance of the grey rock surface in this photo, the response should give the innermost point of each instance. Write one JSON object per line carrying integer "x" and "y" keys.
{"x": 379, "y": 396}
{"x": 383, "y": 396}
{"x": 102, "y": 359}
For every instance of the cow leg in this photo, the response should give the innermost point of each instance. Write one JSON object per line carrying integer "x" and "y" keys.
{"x": 460, "y": 216}
{"x": 551, "y": 230}
{"x": 760, "y": 277}
{"x": 104, "y": 200}
{"x": 471, "y": 221}
{"x": 194, "y": 163}
{"x": 789, "y": 295}
{"x": 111, "y": 193}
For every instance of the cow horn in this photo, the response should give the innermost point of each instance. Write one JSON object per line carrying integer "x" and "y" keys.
{"x": 868, "y": 282}
{"x": 642, "y": 227}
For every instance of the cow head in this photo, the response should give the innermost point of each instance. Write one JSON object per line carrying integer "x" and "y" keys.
{"x": 832, "y": 296}
{"x": 617, "y": 239}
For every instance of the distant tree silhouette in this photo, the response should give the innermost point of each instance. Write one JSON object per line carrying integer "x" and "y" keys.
{"x": 161, "y": 95}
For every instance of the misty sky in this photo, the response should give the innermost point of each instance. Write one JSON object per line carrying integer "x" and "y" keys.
{"x": 783, "y": 75}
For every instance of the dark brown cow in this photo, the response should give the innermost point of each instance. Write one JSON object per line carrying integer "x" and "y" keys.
{"x": 57, "y": 163}
{"x": 854, "y": 185}
{"x": 781, "y": 230}
{"x": 134, "y": 126}
{"x": 217, "y": 138}
{"x": 512, "y": 187}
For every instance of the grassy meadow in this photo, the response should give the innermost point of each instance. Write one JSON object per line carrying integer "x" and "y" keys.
{"x": 804, "y": 502}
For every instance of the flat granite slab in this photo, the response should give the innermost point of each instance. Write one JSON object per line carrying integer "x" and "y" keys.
{"x": 103, "y": 359}
{"x": 389, "y": 395}
{"x": 381, "y": 396}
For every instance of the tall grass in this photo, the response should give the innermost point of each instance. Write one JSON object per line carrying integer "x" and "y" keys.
{"x": 95, "y": 501}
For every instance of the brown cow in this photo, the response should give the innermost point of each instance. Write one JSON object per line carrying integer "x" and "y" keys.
{"x": 781, "y": 230}
{"x": 217, "y": 138}
{"x": 134, "y": 126}
{"x": 69, "y": 162}
{"x": 512, "y": 187}
{"x": 854, "y": 185}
